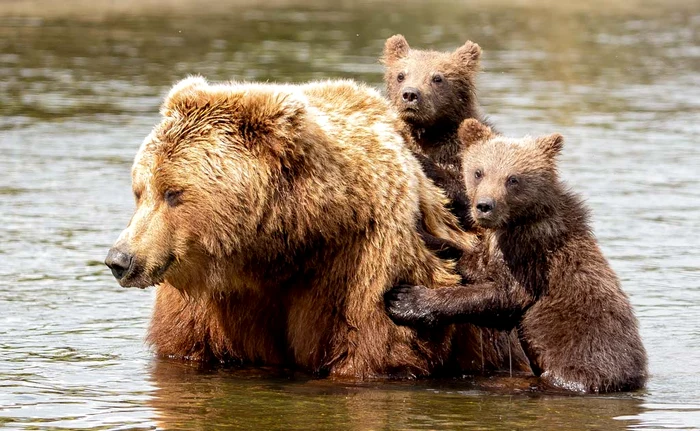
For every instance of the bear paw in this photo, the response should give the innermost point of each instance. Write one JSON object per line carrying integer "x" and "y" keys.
{"x": 410, "y": 305}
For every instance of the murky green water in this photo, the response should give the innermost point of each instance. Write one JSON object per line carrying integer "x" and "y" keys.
{"x": 80, "y": 87}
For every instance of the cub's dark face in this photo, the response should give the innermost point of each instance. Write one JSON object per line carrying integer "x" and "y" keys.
{"x": 509, "y": 181}
{"x": 428, "y": 87}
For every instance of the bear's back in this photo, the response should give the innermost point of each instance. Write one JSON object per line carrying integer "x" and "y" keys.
{"x": 349, "y": 111}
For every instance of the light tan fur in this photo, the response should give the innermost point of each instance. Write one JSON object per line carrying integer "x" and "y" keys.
{"x": 296, "y": 210}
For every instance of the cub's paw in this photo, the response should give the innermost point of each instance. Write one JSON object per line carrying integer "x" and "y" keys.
{"x": 410, "y": 305}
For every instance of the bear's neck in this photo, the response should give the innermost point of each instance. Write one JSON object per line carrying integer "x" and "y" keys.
{"x": 439, "y": 142}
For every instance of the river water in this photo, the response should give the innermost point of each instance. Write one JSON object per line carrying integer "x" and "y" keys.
{"x": 80, "y": 85}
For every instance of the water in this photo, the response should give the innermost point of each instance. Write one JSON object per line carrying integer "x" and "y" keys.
{"x": 80, "y": 87}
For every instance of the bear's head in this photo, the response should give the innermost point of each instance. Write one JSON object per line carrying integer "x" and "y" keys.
{"x": 207, "y": 181}
{"x": 430, "y": 88}
{"x": 508, "y": 181}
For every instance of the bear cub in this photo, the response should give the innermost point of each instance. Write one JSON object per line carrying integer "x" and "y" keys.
{"x": 542, "y": 271}
{"x": 433, "y": 92}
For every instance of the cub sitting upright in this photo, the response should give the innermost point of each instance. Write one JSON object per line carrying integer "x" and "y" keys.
{"x": 433, "y": 93}
{"x": 543, "y": 271}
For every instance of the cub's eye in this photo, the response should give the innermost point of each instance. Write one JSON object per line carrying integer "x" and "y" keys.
{"x": 400, "y": 77}
{"x": 137, "y": 195}
{"x": 173, "y": 197}
{"x": 478, "y": 174}
{"x": 437, "y": 79}
{"x": 512, "y": 181}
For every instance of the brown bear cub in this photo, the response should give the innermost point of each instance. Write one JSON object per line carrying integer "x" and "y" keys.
{"x": 433, "y": 93}
{"x": 543, "y": 272}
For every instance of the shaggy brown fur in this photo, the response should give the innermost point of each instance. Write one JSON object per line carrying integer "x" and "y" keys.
{"x": 543, "y": 271}
{"x": 433, "y": 93}
{"x": 273, "y": 218}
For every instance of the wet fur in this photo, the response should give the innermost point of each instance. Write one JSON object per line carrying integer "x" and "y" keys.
{"x": 296, "y": 211}
{"x": 432, "y": 127}
{"x": 542, "y": 272}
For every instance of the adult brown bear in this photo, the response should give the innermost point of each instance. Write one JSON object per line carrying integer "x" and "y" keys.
{"x": 273, "y": 218}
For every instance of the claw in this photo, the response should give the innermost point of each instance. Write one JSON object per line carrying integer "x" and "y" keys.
{"x": 408, "y": 305}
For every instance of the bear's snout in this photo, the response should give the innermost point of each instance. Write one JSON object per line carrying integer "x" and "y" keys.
{"x": 410, "y": 95}
{"x": 485, "y": 206}
{"x": 119, "y": 262}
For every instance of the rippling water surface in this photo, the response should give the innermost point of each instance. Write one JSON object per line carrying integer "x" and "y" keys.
{"x": 80, "y": 88}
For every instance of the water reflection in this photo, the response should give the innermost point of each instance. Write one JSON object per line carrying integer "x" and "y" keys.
{"x": 188, "y": 398}
{"x": 80, "y": 87}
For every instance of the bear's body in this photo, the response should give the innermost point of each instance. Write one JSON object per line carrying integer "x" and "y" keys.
{"x": 433, "y": 92}
{"x": 543, "y": 271}
{"x": 273, "y": 218}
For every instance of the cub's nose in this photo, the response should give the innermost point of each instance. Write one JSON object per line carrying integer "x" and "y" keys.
{"x": 119, "y": 262}
{"x": 485, "y": 206}
{"x": 410, "y": 95}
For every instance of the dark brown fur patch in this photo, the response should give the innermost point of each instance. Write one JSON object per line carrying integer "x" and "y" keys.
{"x": 541, "y": 272}
{"x": 444, "y": 84}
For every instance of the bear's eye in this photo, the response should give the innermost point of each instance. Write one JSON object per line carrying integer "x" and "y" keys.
{"x": 437, "y": 79}
{"x": 400, "y": 77}
{"x": 137, "y": 195}
{"x": 512, "y": 181}
{"x": 478, "y": 174}
{"x": 173, "y": 197}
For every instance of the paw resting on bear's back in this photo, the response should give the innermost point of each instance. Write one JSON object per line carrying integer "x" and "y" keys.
{"x": 410, "y": 305}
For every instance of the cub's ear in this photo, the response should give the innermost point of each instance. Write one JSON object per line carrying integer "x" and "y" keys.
{"x": 551, "y": 145}
{"x": 395, "y": 48}
{"x": 185, "y": 92}
{"x": 471, "y": 131}
{"x": 468, "y": 55}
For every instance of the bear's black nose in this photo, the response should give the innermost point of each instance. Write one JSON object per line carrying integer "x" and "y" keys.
{"x": 485, "y": 206}
{"x": 119, "y": 262}
{"x": 411, "y": 95}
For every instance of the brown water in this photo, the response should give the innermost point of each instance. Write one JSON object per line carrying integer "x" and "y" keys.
{"x": 80, "y": 87}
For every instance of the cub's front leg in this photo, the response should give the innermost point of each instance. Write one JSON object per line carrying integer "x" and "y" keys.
{"x": 411, "y": 305}
{"x": 484, "y": 304}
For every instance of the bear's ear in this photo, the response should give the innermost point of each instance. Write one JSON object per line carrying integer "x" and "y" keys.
{"x": 185, "y": 92}
{"x": 275, "y": 122}
{"x": 551, "y": 145}
{"x": 395, "y": 48}
{"x": 468, "y": 55}
{"x": 471, "y": 131}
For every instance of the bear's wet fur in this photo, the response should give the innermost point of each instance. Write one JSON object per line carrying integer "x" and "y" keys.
{"x": 272, "y": 219}
{"x": 433, "y": 92}
{"x": 542, "y": 270}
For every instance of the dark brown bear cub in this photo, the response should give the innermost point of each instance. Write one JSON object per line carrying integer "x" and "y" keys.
{"x": 433, "y": 93}
{"x": 543, "y": 271}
